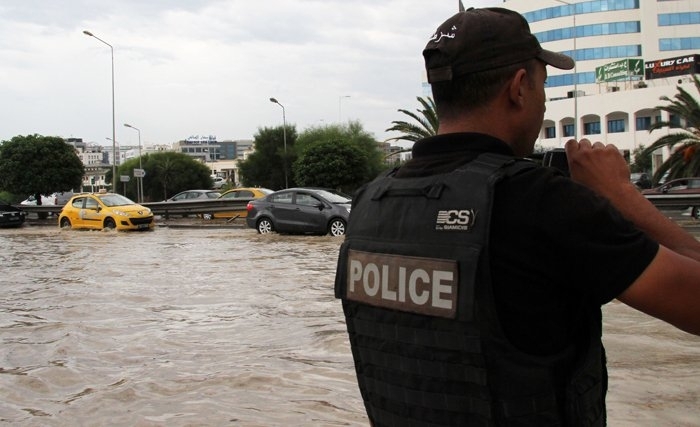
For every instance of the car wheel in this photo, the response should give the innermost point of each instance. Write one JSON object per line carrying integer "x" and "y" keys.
{"x": 65, "y": 222}
{"x": 265, "y": 226}
{"x": 695, "y": 212}
{"x": 337, "y": 227}
{"x": 208, "y": 216}
{"x": 109, "y": 223}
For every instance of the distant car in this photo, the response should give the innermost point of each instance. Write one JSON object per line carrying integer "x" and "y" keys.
{"x": 45, "y": 200}
{"x": 98, "y": 211}
{"x": 679, "y": 186}
{"x": 242, "y": 194}
{"x": 300, "y": 210}
{"x": 218, "y": 182}
{"x": 192, "y": 195}
{"x": 10, "y": 216}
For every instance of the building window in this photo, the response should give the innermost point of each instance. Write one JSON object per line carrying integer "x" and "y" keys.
{"x": 592, "y": 128}
{"x": 589, "y": 31}
{"x": 549, "y": 132}
{"x": 643, "y": 123}
{"x": 568, "y": 130}
{"x": 688, "y": 18}
{"x": 674, "y": 120}
{"x": 568, "y": 79}
{"x": 616, "y": 126}
{"x": 580, "y": 8}
{"x": 679, "y": 43}
{"x": 606, "y": 52}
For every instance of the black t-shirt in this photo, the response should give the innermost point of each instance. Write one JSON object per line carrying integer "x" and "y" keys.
{"x": 555, "y": 247}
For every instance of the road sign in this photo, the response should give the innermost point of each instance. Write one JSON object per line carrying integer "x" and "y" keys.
{"x": 619, "y": 70}
{"x": 139, "y": 173}
{"x": 124, "y": 178}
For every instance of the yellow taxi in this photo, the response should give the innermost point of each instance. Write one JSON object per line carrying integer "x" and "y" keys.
{"x": 98, "y": 211}
{"x": 243, "y": 194}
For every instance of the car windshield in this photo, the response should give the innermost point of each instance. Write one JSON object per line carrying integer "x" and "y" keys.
{"x": 115, "y": 200}
{"x": 334, "y": 197}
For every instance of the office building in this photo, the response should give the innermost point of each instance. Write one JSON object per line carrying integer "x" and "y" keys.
{"x": 628, "y": 54}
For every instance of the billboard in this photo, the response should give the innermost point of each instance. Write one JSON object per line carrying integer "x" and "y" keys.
{"x": 679, "y": 66}
{"x": 620, "y": 70}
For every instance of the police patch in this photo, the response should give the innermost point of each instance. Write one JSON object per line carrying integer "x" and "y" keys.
{"x": 415, "y": 284}
{"x": 455, "y": 220}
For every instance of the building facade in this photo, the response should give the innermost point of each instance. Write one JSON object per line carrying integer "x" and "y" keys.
{"x": 628, "y": 54}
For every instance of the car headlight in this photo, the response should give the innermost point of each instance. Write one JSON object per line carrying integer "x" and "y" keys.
{"x": 120, "y": 213}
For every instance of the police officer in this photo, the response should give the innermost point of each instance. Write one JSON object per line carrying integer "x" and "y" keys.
{"x": 472, "y": 280}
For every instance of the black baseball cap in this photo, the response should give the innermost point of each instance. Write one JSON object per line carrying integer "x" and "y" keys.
{"x": 484, "y": 39}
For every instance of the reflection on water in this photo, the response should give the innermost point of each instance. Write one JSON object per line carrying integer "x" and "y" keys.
{"x": 180, "y": 327}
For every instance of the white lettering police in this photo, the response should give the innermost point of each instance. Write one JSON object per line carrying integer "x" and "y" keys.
{"x": 415, "y": 284}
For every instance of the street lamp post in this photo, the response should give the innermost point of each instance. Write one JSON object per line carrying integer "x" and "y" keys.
{"x": 114, "y": 155}
{"x": 284, "y": 137}
{"x": 573, "y": 7}
{"x": 340, "y": 98}
{"x": 114, "y": 130}
{"x": 140, "y": 178}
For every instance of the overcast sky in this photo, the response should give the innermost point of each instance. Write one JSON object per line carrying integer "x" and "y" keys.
{"x": 208, "y": 67}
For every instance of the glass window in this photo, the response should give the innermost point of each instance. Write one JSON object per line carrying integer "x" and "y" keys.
{"x": 643, "y": 123}
{"x": 568, "y": 130}
{"x": 607, "y": 52}
{"x": 282, "y": 197}
{"x": 674, "y": 120}
{"x": 568, "y": 79}
{"x": 680, "y": 43}
{"x": 307, "y": 200}
{"x": 589, "y": 30}
{"x": 688, "y": 18}
{"x": 580, "y": 8}
{"x": 591, "y": 128}
{"x": 91, "y": 203}
{"x": 549, "y": 132}
{"x": 616, "y": 126}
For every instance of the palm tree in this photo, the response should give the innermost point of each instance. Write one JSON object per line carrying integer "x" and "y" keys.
{"x": 427, "y": 122}
{"x": 685, "y": 155}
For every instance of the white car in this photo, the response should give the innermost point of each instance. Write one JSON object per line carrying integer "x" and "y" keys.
{"x": 218, "y": 182}
{"x": 45, "y": 200}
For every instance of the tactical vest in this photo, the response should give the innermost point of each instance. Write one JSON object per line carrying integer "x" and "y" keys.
{"x": 414, "y": 278}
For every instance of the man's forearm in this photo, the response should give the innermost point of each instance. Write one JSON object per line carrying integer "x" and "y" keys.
{"x": 649, "y": 219}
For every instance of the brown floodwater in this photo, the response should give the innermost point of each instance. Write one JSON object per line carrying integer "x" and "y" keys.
{"x": 214, "y": 327}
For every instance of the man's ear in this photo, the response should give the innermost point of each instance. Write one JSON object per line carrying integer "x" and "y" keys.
{"x": 516, "y": 88}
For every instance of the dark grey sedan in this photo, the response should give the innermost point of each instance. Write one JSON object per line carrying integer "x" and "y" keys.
{"x": 300, "y": 211}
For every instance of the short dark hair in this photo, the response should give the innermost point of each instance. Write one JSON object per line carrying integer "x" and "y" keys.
{"x": 471, "y": 91}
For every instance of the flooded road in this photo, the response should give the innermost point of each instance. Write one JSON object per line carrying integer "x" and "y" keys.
{"x": 214, "y": 327}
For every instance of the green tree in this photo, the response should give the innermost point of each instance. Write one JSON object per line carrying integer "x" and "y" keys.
{"x": 425, "y": 122}
{"x": 268, "y": 165}
{"x": 167, "y": 173}
{"x": 36, "y": 164}
{"x": 337, "y": 156}
{"x": 331, "y": 164}
{"x": 685, "y": 156}
{"x": 642, "y": 160}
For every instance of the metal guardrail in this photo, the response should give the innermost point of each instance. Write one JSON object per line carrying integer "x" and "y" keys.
{"x": 166, "y": 209}
{"x": 195, "y": 207}
{"x": 674, "y": 200}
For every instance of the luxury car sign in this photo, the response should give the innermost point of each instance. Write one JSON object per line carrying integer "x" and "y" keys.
{"x": 679, "y": 66}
